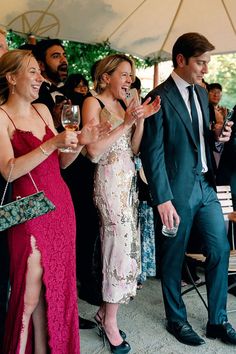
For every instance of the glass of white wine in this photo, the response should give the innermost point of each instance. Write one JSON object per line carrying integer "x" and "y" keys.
{"x": 70, "y": 120}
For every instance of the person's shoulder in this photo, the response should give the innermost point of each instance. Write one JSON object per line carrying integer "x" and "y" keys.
{"x": 3, "y": 115}
{"x": 160, "y": 89}
{"x": 40, "y": 106}
{"x": 91, "y": 100}
{"x": 42, "y": 110}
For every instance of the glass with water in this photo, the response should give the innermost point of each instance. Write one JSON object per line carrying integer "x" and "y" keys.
{"x": 170, "y": 232}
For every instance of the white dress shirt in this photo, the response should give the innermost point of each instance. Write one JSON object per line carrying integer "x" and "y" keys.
{"x": 182, "y": 86}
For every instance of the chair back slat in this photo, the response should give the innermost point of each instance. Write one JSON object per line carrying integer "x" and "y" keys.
{"x": 227, "y": 209}
{"x": 225, "y": 198}
{"x": 223, "y": 188}
{"x": 226, "y": 202}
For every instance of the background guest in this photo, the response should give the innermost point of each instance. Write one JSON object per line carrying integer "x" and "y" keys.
{"x": 78, "y": 176}
{"x": 4, "y": 256}
{"x": 146, "y": 218}
{"x": 115, "y": 188}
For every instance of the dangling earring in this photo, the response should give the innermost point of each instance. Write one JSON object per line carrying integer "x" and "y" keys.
{"x": 13, "y": 89}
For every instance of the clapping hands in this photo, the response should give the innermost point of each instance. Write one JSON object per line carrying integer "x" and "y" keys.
{"x": 91, "y": 133}
{"x": 143, "y": 111}
{"x": 151, "y": 108}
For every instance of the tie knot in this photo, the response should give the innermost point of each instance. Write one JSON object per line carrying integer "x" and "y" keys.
{"x": 54, "y": 88}
{"x": 190, "y": 89}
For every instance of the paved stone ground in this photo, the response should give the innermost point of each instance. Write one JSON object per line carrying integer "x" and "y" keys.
{"x": 143, "y": 321}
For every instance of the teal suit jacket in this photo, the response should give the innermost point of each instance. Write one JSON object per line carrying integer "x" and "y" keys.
{"x": 168, "y": 149}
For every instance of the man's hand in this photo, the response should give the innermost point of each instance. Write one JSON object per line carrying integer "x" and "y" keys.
{"x": 226, "y": 133}
{"x": 168, "y": 214}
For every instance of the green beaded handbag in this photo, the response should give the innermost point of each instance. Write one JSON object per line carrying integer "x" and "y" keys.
{"x": 23, "y": 208}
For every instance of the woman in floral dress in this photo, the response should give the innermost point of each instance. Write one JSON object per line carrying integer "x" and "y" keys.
{"x": 115, "y": 187}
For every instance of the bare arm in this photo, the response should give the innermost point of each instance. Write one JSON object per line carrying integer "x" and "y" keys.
{"x": 142, "y": 112}
{"x": 137, "y": 136}
{"x": 29, "y": 161}
{"x": 91, "y": 112}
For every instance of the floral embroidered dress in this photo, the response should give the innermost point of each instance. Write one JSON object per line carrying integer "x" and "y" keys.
{"x": 55, "y": 239}
{"x": 116, "y": 198}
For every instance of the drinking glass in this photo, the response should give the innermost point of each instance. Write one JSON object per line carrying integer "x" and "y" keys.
{"x": 70, "y": 120}
{"x": 169, "y": 232}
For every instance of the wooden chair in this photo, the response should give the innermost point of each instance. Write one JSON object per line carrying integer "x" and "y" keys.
{"x": 225, "y": 199}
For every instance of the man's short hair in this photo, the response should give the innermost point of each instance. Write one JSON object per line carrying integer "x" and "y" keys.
{"x": 191, "y": 44}
{"x": 136, "y": 84}
{"x": 214, "y": 86}
{"x": 43, "y": 46}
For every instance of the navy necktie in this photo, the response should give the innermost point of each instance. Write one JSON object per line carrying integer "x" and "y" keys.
{"x": 195, "y": 124}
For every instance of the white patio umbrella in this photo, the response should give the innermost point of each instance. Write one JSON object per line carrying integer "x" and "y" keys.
{"x": 145, "y": 28}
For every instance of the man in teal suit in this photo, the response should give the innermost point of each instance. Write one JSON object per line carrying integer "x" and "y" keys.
{"x": 176, "y": 156}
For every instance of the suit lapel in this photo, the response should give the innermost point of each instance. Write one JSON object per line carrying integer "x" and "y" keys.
{"x": 176, "y": 100}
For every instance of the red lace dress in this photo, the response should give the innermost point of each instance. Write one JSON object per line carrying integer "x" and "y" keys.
{"x": 55, "y": 239}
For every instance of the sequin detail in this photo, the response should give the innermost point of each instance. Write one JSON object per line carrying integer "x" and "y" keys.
{"x": 116, "y": 198}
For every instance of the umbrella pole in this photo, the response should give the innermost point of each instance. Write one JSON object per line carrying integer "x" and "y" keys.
{"x": 155, "y": 75}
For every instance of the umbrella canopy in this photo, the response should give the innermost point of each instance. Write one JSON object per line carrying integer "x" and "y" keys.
{"x": 145, "y": 28}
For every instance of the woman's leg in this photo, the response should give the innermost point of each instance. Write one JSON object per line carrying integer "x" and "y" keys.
{"x": 32, "y": 294}
{"x": 40, "y": 325}
{"x": 110, "y": 324}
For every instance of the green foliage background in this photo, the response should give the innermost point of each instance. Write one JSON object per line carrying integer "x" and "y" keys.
{"x": 222, "y": 69}
{"x": 81, "y": 56}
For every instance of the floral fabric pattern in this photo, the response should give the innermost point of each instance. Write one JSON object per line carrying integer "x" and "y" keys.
{"x": 116, "y": 198}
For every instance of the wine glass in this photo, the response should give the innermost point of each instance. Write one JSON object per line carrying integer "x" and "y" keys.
{"x": 70, "y": 120}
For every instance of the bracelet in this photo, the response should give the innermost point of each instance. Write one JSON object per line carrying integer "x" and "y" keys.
{"x": 43, "y": 151}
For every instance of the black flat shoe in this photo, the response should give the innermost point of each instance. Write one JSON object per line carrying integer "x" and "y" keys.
{"x": 86, "y": 324}
{"x": 98, "y": 319}
{"x": 184, "y": 333}
{"x": 223, "y": 331}
{"x": 122, "y": 348}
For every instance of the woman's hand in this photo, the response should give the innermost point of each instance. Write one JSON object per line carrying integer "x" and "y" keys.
{"x": 67, "y": 138}
{"x": 151, "y": 108}
{"x": 91, "y": 133}
{"x": 135, "y": 113}
{"x": 132, "y": 113}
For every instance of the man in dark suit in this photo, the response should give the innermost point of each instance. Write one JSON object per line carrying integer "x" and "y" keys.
{"x": 225, "y": 171}
{"x": 176, "y": 156}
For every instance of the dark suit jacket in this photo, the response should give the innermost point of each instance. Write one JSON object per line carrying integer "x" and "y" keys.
{"x": 168, "y": 150}
{"x": 226, "y": 171}
{"x": 45, "y": 96}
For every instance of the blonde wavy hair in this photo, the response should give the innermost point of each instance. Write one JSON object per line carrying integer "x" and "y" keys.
{"x": 11, "y": 63}
{"x": 107, "y": 66}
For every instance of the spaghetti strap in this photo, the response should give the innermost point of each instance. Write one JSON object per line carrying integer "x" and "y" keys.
{"x": 8, "y": 117}
{"x": 100, "y": 102}
{"x": 39, "y": 114}
{"x": 120, "y": 101}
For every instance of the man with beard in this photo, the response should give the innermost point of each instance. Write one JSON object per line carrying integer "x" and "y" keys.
{"x": 4, "y": 257}
{"x": 53, "y": 63}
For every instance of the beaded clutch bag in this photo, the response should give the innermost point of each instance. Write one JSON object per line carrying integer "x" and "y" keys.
{"x": 23, "y": 208}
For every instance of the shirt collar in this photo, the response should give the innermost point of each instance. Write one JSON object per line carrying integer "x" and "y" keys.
{"x": 180, "y": 83}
